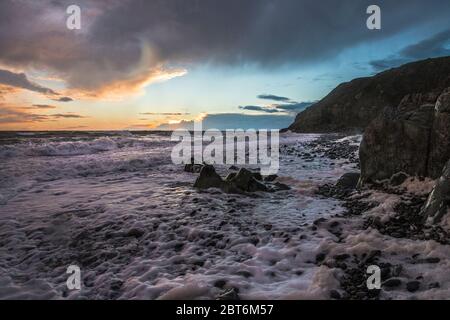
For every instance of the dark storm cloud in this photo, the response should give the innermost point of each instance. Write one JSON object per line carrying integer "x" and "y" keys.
{"x": 67, "y": 116}
{"x": 295, "y": 106}
{"x": 272, "y": 97}
{"x": 266, "y": 33}
{"x": 262, "y": 31}
{"x": 438, "y": 45}
{"x": 20, "y": 80}
{"x": 292, "y": 106}
{"x": 259, "y": 108}
{"x": 435, "y": 46}
{"x": 63, "y": 99}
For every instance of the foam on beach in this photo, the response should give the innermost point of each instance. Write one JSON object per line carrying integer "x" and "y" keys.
{"x": 132, "y": 221}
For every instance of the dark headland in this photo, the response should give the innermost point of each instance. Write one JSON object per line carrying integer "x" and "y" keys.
{"x": 404, "y": 114}
{"x": 354, "y": 104}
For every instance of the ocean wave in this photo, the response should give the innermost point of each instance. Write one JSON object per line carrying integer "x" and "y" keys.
{"x": 75, "y": 148}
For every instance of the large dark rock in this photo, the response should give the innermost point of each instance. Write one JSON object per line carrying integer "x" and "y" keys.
{"x": 412, "y": 138}
{"x": 240, "y": 182}
{"x": 440, "y": 136}
{"x": 396, "y": 142}
{"x": 245, "y": 180}
{"x": 208, "y": 178}
{"x": 354, "y": 104}
{"x": 414, "y": 141}
{"x": 230, "y": 176}
{"x": 439, "y": 199}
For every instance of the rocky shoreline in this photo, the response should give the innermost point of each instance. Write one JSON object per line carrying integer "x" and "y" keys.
{"x": 406, "y": 223}
{"x": 403, "y": 223}
{"x": 397, "y": 197}
{"x": 402, "y": 192}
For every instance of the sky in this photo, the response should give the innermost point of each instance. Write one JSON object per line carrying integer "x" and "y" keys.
{"x": 162, "y": 64}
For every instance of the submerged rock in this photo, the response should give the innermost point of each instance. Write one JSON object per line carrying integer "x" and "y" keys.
{"x": 278, "y": 186}
{"x": 334, "y": 294}
{"x": 413, "y": 286}
{"x": 135, "y": 232}
{"x": 230, "y": 294}
{"x": 348, "y": 180}
{"x": 220, "y": 283}
{"x": 392, "y": 283}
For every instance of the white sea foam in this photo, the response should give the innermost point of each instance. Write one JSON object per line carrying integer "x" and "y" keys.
{"x": 132, "y": 221}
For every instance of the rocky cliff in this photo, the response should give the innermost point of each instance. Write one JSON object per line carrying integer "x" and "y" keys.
{"x": 354, "y": 105}
{"x": 413, "y": 138}
{"x": 405, "y": 116}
